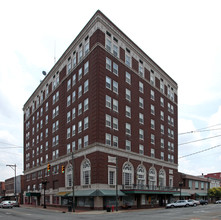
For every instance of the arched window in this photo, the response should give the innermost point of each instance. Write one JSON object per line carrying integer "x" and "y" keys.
{"x": 86, "y": 172}
{"x": 152, "y": 177}
{"x": 128, "y": 174}
{"x": 141, "y": 175}
{"x": 68, "y": 176}
{"x": 162, "y": 178}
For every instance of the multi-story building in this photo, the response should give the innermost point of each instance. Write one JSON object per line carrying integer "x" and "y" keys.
{"x": 15, "y": 191}
{"x": 2, "y": 189}
{"x": 215, "y": 179}
{"x": 115, "y": 110}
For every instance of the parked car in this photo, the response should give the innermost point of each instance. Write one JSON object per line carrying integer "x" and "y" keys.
{"x": 203, "y": 202}
{"x": 6, "y": 204}
{"x": 15, "y": 204}
{"x": 195, "y": 202}
{"x": 179, "y": 203}
{"x": 218, "y": 201}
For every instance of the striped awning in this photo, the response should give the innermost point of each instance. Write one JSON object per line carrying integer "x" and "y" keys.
{"x": 62, "y": 194}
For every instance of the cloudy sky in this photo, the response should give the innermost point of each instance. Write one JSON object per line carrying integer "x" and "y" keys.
{"x": 183, "y": 37}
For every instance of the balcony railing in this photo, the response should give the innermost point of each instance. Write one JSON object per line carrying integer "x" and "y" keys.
{"x": 149, "y": 187}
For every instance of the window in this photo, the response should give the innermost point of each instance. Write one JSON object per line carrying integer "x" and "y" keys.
{"x": 68, "y": 133}
{"x": 68, "y": 175}
{"x": 108, "y": 64}
{"x": 128, "y": 129}
{"x": 152, "y": 152}
{"x": 73, "y": 130}
{"x": 141, "y": 102}
{"x": 68, "y": 84}
{"x": 108, "y": 139}
{"x": 73, "y": 146}
{"x": 162, "y": 176}
{"x": 69, "y": 66}
{"x": 128, "y": 111}
{"x": 86, "y": 104}
{"x": 152, "y": 139}
{"x": 68, "y": 100}
{"x": 141, "y": 149}
{"x": 152, "y": 79}
{"x": 74, "y": 60}
{"x": 115, "y": 50}
{"x": 86, "y": 86}
{"x": 115, "y": 105}
{"x": 161, "y": 87}
{"x": 162, "y": 129}
{"x": 108, "y": 82}
{"x": 108, "y": 44}
{"x": 79, "y": 91}
{"x": 111, "y": 177}
{"x": 115, "y": 141}
{"x": 108, "y": 121}
{"x": 80, "y": 53}
{"x": 152, "y": 96}
{"x": 86, "y": 67}
{"x": 46, "y": 106}
{"x": 162, "y": 143}
{"x": 86, "y": 123}
{"x": 73, "y": 113}
{"x": 115, "y": 87}
{"x": 141, "y": 70}
{"x": 46, "y": 119}
{"x": 68, "y": 117}
{"x": 128, "y": 78}
{"x": 141, "y": 118}
{"x": 86, "y": 141}
{"x": 162, "y": 101}
{"x": 79, "y": 74}
{"x": 79, "y": 143}
{"x": 79, "y": 108}
{"x": 127, "y": 174}
{"x": 127, "y": 60}
{"x": 162, "y": 115}
{"x": 152, "y": 124}
{"x": 68, "y": 148}
{"x": 141, "y": 134}
{"x": 86, "y": 47}
{"x": 108, "y": 101}
{"x": 79, "y": 126}
{"x": 115, "y": 123}
{"x": 152, "y": 109}
{"x": 86, "y": 172}
{"x": 162, "y": 155}
{"x": 141, "y": 87}
{"x": 128, "y": 145}
{"x": 128, "y": 95}
{"x": 141, "y": 176}
{"x": 74, "y": 80}
{"x": 115, "y": 69}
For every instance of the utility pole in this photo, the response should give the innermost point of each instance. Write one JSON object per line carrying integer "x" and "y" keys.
{"x": 14, "y": 168}
{"x": 116, "y": 183}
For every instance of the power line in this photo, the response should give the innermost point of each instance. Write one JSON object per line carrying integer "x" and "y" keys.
{"x": 201, "y": 130}
{"x": 200, "y": 151}
{"x": 11, "y": 144}
{"x": 199, "y": 140}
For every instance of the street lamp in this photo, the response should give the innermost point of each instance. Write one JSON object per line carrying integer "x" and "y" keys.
{"x": 14, "y": 168}
{"x": 44, "y": 183}
{"x": 180, "y": 185}
{"x": 116, "y": 183}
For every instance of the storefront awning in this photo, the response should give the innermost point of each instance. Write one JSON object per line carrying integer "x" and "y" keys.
{"x": 147, "y": 192}
{"x": 82, "y": 193}
{"x": 33, "y": 194}
{"x": 62, "y": 194}
{"x": 182, "y": 194}
{"x": 201, "y": 194}
{"x": 107, "y": 192}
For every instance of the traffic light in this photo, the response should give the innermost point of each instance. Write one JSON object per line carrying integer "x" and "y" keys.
{"x": 49, "y": 167}
{"x": 62, "y": 168}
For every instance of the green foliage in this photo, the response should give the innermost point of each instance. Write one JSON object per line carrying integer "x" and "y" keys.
{"x": 215, "y": 192}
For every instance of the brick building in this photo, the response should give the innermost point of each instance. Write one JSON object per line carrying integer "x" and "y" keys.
{"x": 104, "y": 100}
{"x": 2, "y": 189}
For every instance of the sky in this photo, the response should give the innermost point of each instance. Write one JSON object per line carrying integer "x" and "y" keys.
{"x": 182, "y": 37}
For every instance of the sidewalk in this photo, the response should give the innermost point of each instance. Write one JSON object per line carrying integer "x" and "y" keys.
{"x": 65, "y": 209}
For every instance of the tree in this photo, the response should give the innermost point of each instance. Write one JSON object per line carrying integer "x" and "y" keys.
{"x": 215, "y": 192}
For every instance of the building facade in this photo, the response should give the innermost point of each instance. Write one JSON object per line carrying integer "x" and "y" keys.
{"x": 112, "y": 108}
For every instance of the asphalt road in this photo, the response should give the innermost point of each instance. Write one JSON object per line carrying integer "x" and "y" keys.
{"x": 208, "y": 212}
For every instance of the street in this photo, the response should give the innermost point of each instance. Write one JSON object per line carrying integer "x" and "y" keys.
{"x": 206, "y": 212}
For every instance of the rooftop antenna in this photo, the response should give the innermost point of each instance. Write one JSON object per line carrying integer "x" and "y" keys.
{"x": 54, "y": 52}
{"x": 44, "y": 73}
